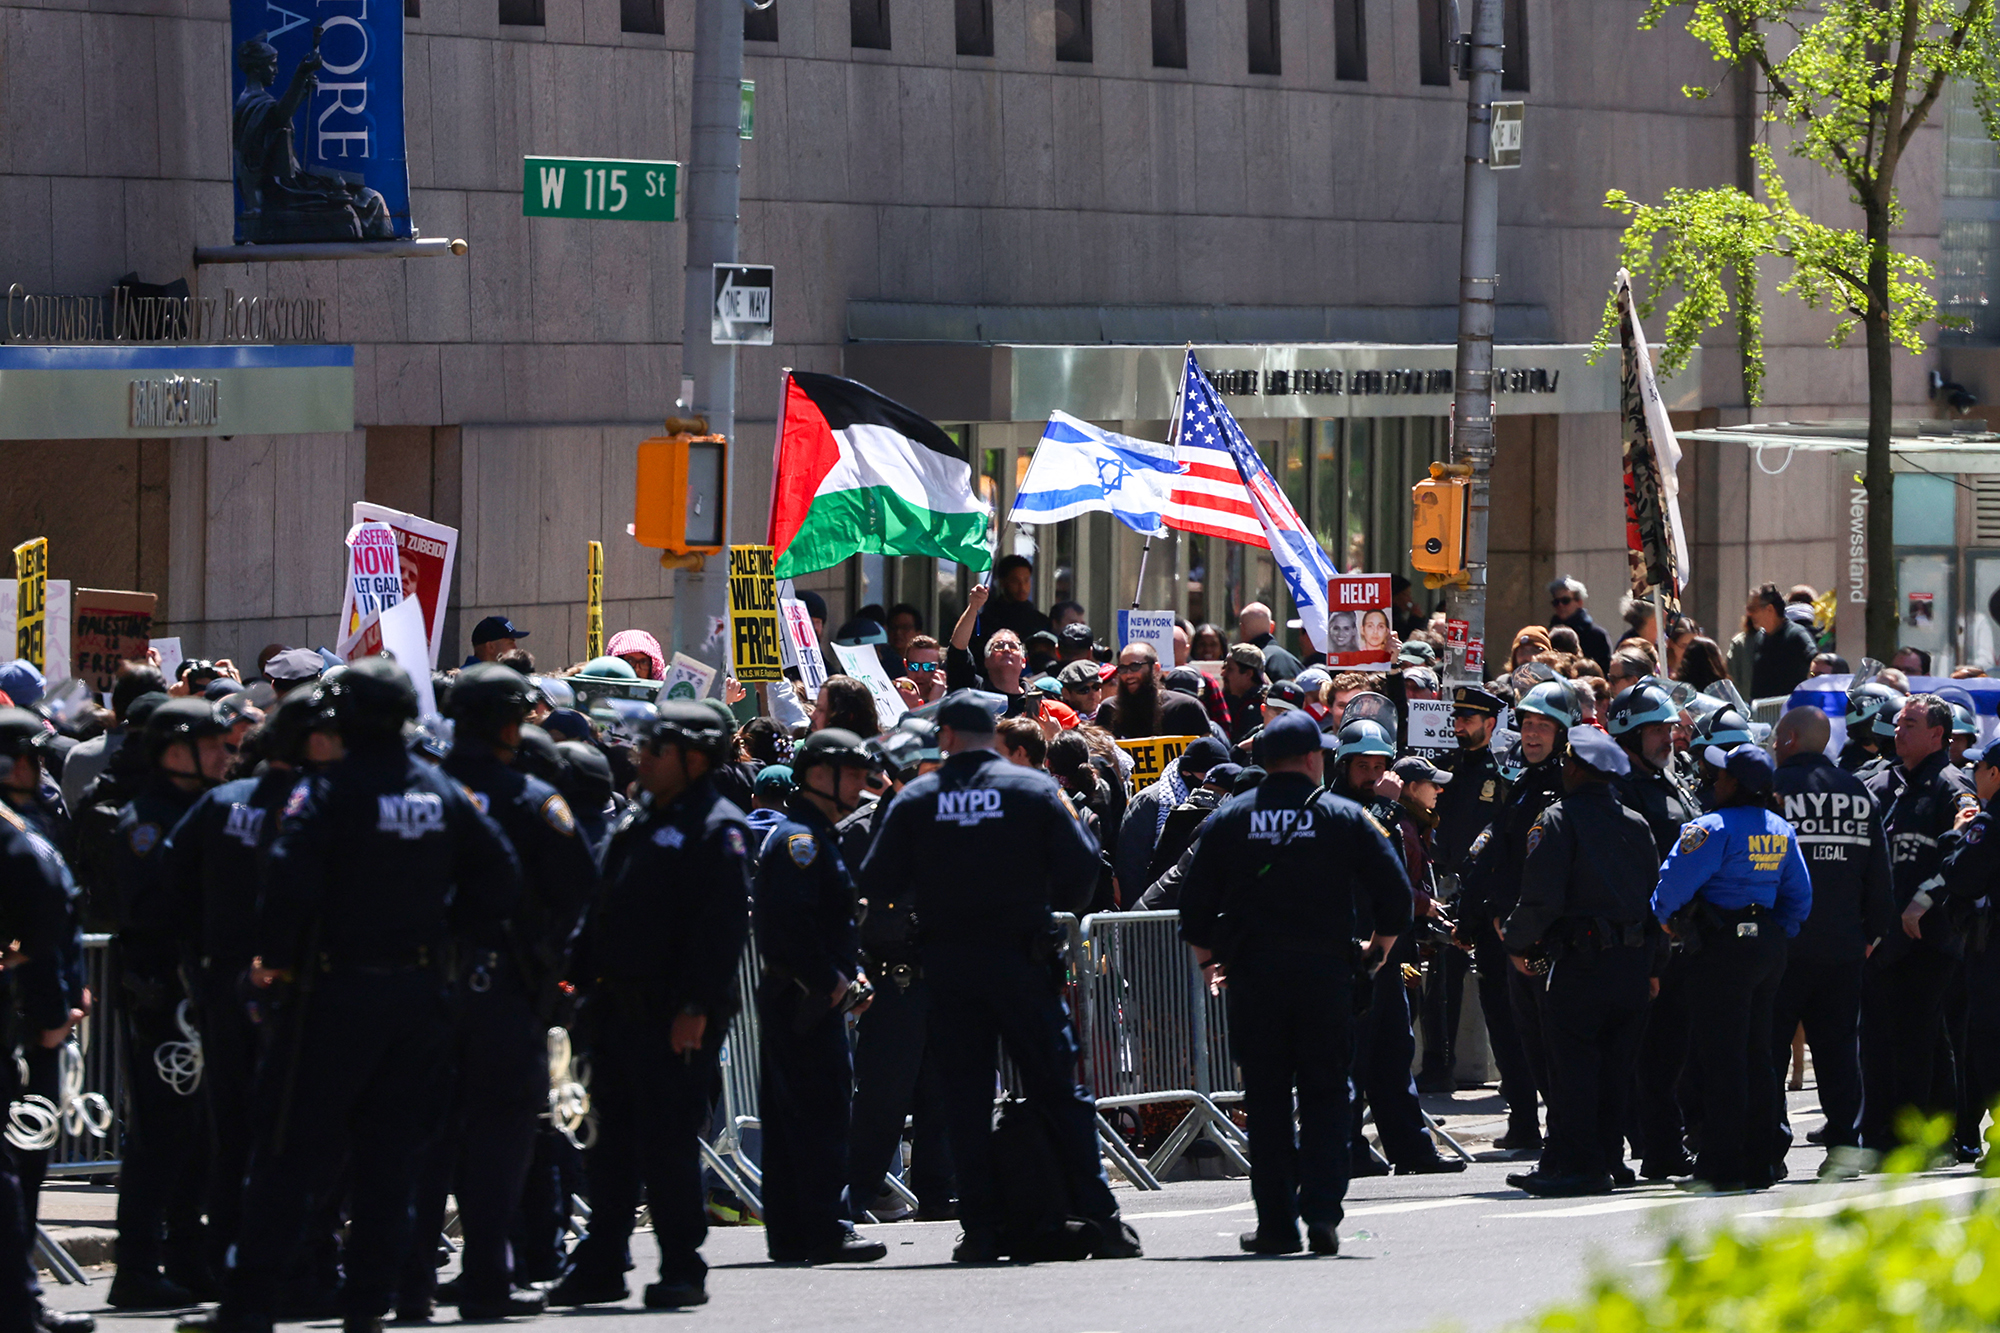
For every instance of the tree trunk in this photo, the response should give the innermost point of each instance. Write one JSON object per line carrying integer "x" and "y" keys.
{"x": 1882, "y": 589}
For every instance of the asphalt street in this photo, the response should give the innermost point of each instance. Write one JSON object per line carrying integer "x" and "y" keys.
{"x": 1423, "y": 1252}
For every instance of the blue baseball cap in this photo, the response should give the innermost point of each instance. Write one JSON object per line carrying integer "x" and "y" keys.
{"x": 1988, "y": 753}
{"x": 1748, "y": 764}
{"x": 24, "y": 683}
{"x": 496, "y": 627}
{"x": 1289, "y": 735}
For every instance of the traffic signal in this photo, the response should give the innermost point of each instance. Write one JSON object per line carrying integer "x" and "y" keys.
{"x": 1438, "y": 525}
{"x": 678, "y": 504}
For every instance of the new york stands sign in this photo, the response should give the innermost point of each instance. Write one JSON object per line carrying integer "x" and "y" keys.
{"x": 316, "y": 121}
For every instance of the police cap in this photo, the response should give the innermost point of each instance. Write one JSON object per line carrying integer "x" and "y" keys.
{"x": 831, "y": 745}
{"x": 1638, "y": 706}
{"x": 1290, "y": 735}
{"x": 1472, "y": 699}
{"x": 1593, "y": 749}
{"x": 1748, "y": 764}
{"x": 1988, "y": 753}
{"x": 21, "y": 732}
{"x": 962, "y": 710}
{"x": 488, "y": 697}
{"x": 1554, "y": 700}
{"x": 689, "y": 725}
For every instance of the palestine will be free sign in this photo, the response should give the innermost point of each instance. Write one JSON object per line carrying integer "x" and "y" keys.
{"x": 753, "y": 614}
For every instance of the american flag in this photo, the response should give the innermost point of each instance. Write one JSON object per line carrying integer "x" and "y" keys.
{"x": 1226, "y": 491}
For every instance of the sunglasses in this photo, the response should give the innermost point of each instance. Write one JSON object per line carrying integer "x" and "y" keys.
{"x": 1125, "y": 668}
{"x": 923, "y": 666}
{"x": 1561, "y": 601}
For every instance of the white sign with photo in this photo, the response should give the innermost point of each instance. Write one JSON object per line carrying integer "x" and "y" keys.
{"x": 1430, "y": 726}
{"x": 859, "y": 661}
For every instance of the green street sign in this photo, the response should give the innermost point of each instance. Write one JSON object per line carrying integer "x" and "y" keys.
{"x": 746, "y": 108}
{"x": 599, "y": 187}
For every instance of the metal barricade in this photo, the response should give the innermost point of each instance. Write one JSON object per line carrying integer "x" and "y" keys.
{"x": 739, "y": 1055}
{"x": 85, "y": 1154}
{"x": 1152, "y": 1032}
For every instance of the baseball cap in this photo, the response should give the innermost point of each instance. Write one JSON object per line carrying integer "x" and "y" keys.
{"x": 1748, "y": 764}
{"x": 1416, "y": 768}
{"x": 1596, "y": 749}
{"x": 496, "y": 627}
{"x": 1287, "y": 692}
{"x": 1222, "y": 775}
{"x": 22, "y": 681}
{"x": 1185, "y": 679}
{"x": 967, "y": 711}
{"x": 1247, "y": 655}
{"x": 1076, "y": 637}
{"x": 775, "y": 780}
{"x": 1988, "y": 753}
{"x": 1048, "y": 685}
{"x": 1417, "y": 653}
{"x": 1289, "y": 735}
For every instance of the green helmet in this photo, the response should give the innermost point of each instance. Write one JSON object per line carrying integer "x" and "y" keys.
{"x": 1365, "y": 737}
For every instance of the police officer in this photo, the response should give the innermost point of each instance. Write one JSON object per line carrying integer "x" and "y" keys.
{"x": 657, "y": 974}
{"x": 1642, "y": 719}
{"x": 1909, "y": 973}
{"x": 24, "y": 781}
{"x": 1852, "y": 911}
{"x": 988, "y": 947}
{"x": 1723, "y": 730}
{"x": 809, "y": 938}
{"x": 1384, "y": 1047}
{"x": 1868, "y": 750}
{"x": 213, "y": 864}
{"x": 1284, "y": 880}
{"x": 1737, "y": 881}
{"x": 1466, "y": 808}
{"x": 587, "y": 785}
{"x": 37, "y": 909}
{"x": 163, "y": 1173}
{"x": 1582, "y": 922}
{"x": 1544, "y": 716}
{"x": 379, "y": 861}
{"x": 508, "y": 974}
{"x": 1972, "y": 875}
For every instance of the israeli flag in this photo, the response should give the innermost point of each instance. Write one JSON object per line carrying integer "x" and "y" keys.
{"x": 1079, "y": 469}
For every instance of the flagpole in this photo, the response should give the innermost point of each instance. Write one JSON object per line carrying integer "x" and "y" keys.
{"x": 1173, "y": 442}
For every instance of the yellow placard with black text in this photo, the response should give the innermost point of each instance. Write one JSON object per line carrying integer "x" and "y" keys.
{"x": 1151, "y": 755}
{"x": 593, "y": 603}
{"x": 31, "y": 601}
{"x": 753, "y": 614}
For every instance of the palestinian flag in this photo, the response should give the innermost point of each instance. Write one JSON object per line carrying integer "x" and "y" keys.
{"x": 858, "y": 474}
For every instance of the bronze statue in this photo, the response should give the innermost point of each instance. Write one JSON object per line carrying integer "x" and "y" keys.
{"x": 279, "y": 201}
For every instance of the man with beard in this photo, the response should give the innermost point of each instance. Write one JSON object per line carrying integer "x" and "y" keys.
{"x": 1140, "y": 707}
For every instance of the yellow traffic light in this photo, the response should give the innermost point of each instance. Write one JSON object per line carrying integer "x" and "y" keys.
{"x": 678, "y": 501}
{"x": 1438, "y": 524}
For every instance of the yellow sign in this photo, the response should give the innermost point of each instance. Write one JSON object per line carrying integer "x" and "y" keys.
{"x": 753, "y": 614}
{"x": 1152, "y": 754}
{"x": 31, "y": 601}
{"x": 593, "y": 605}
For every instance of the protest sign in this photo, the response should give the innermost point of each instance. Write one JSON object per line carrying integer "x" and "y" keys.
{"x": 425, "y": 552}
{"x": 1149, "y": 627}
{"x": 593, "y": 603}
{"x": 859, "y": 661}
{"x": 1357, "y": 622}
{"x": 1151, "y": 755}
{"x": 107, "y": 628}
{"x": 55, "y": 635}
{"x": 1430, "y": 726}
{"x": 802, "y": 642}
{"x": 31, "y": 589}
{"x": 171, "y": 656}
{"x": 686, "y": 678}
{"x": 404, "y": 639}
{"x": 753, "y": 615}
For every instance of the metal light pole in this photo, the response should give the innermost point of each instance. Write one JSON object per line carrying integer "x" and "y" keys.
{"x": 1478, "y": 287}
{"x": 713, "y": 192}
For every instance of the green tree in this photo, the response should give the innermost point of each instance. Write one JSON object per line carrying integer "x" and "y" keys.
{"x": 1853, "y": 81}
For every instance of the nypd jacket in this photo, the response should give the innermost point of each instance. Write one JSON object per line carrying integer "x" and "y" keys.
{"x": 213, "y": 862}
{"x": 1916, "y": 821}
{"x": 669, "y": 926}
{"x": 382, "y": 859}
{"x": 37, "y": 908}
{"x": 144, "y": 908}
{"x": 1737, "y": 857}
{"x": 993, "y": 849}
{"x": 558, "y": 873}
{"x": 1288, "y": 865}
{"x": 1491, "y": 885}
{"x": 1840, "y": 834}
{"x": 804, "y": 902}
{"x": 1589, "y": 860}
{"x": 1971, "y": 861}
{"x": 1466, "y": 805}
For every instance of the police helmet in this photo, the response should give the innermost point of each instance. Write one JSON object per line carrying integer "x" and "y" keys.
{"x": 1369, "y": 706}
{"x": 430, "y": 739}
{"x": 487, "y": 698}
{"x": 690, "y": 726}
{"x": 368, "y": 700}
{"x": 537, "y": 754}
{"x": 1552, "y": 699}
{"x": 832, "y": 745}
{"x": 1639, "y": 705}
{"x": 1869, "y": 702}
{"x": 1365, "y": 737}
{"x": 586, "y": 774}
{"x": 21, "y": 732}
{"x": 180, "y": 720}
{"x": 1725, "y": 727}
{"x": 1513, "y": 765}
{"x": 1963, "y": 723}
{"x": 898, "y": 751}
{"x": 282, "y": 737}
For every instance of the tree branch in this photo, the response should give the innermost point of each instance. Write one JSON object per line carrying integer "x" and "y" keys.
{"x": 1921, "y": 112}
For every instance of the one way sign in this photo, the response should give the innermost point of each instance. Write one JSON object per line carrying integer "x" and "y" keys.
{"x": 742, "y": 311}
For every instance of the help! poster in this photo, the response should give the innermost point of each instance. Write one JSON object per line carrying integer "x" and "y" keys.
{"x": 1357, "y": 622}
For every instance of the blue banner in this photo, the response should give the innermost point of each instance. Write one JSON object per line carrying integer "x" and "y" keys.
{"x": 316, "y": 123}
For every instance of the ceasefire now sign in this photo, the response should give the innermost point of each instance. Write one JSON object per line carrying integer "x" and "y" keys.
{"x": 599, "y": 187}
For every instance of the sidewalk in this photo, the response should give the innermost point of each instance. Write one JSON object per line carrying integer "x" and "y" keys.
{"x": 80, "y": 1213}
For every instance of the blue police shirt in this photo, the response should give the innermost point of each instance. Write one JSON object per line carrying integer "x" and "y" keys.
{"x": 1737, "y": 857}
